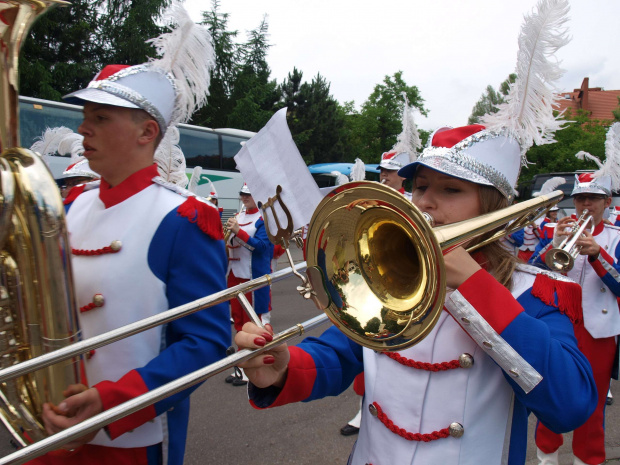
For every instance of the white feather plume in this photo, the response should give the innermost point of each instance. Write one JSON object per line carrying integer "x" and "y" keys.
{"x": 581, "y": 155}
{"x": 528, "y": 113}
{"x": 72, "y": 144}
{"x": 550, "y": 185}
{"x": 358, "y": 172}
{"x": 170, "y": 159}
{"x": 186, "y": 52}
{"x": 47, "y": 143}
{"x": 211, "y": 189}
{"x": 340, "y": 178}
{"x": 611, "y": 167}
{"x": 408, "y": 140}
{"x": 194, "y": 179}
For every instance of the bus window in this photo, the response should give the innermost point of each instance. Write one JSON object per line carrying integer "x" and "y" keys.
{"x": 34, "y": 119}
{"x": 230, "y": 147}
{"x": 201, "y": 148}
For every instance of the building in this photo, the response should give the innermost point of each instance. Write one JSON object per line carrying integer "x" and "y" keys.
{"x": 597, "y": 102}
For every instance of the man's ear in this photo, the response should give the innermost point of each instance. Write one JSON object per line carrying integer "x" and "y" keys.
{"x": 607, "y": 202}
{"x": 150, "y": 132}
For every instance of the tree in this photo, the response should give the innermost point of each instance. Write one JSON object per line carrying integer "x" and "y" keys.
{"x": 616, "y": 112}
{"x": 315, "y": 118}
{"x": 61, "y": 53}
{"x": 253, "y": 94}
{"x": 375, "y": 128}
{"x": 127, "y": 26}
{"x": 579, "y": 134}
{"x": 220, "y": 105}
{"x": 69, "y": 45}
{"x": 489, "y": 101}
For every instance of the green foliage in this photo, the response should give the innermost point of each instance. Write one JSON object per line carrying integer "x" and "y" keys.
{"x": 315, "y": 118}
{"x": 489, "y": 100}
{"x": 579, "y": 134}
{"x": 61, "y": 53}
{"x": 375, "y": 128}
{"x": 616, "y": 112}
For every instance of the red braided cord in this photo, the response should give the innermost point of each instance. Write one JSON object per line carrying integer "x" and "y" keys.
{"x": 88, "y": 307}
{"x": 90, "y": 354}
{"x": 443, "y": 366}
{"x": 101, "y": 251}
{"x": 444, "y": 433}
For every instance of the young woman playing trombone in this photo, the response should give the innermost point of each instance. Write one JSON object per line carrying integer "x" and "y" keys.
{"x": 504, "y": 344}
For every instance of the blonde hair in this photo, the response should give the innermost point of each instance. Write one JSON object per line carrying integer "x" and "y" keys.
{"x": 499, "y": 261}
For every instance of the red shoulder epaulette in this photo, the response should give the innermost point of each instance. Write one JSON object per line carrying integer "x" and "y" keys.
{"x": 205, "y": 216}
{"x": 568, "y": 293}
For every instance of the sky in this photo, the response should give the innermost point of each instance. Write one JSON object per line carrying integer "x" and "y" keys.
{"x": 450, "y": 49}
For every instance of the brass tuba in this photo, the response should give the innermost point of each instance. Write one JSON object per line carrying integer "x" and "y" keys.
{"x": 37, "y": 303}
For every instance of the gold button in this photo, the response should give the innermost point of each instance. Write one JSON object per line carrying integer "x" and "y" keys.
{"x": 466, "y": 361}
{"x": 98, "y": 300}
{"x": 514, "y": 373}
{"x": 465, "y": 321}
{"x": 456, "y": 430}
{"x": 603, "y": 289}
{"x": 116, "y": 245}
{"x": 373, "y": 410}
{"x": 605, "y": 311}
{"x": 487, "y": 344}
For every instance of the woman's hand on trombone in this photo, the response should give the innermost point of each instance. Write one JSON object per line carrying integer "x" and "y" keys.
{"x": 268, "y": 368}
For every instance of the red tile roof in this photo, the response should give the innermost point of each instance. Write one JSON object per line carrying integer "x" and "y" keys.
{"x": 598, "y": 102}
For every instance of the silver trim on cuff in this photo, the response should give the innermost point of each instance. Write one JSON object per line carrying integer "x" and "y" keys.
{"x": 610, "y": 269}
{"x": 494, "y": 345}
{"x": 244, "y": 244}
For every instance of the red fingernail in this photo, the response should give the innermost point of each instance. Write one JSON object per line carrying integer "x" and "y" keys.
{"x": 268, "y": 337}
{"x": 259, "y": 341}
{"x": 269, "y": 360}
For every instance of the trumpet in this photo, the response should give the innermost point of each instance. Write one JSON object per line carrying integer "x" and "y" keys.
{"x": 399, "y": 308}
{"x": 562, "y": 258}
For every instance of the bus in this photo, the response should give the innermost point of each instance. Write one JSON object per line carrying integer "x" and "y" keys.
{"x": 321, "y": 172}
{"x": 212, "y": 149}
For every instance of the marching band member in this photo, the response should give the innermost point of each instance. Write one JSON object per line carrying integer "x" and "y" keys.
{"x": 597, "y": 270}
{"x": 403, "y": 152}
{"x": 547, "y": 225}
{"x": 503, "y": 347}
{"x": 249, "y": 256}
{"x": 132, "y": 242}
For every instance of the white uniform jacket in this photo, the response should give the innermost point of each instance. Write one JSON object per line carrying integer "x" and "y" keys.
{"x": 600, "y": 280}
{"x": 134, "y": 256}
{"x": 467, "y": 388}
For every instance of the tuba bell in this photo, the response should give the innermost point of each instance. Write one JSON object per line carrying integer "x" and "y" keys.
{"x": 37, "y": 303}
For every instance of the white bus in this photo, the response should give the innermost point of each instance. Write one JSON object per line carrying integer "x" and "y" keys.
{"x": 213, "y": 149}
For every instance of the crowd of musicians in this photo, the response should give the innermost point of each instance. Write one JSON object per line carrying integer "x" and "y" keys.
{"x": 513, "y": 338}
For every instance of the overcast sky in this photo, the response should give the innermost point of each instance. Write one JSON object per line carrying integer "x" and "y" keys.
{"x": 450, "y": 49}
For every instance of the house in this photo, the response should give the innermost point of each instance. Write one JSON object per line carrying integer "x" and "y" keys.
{"x": 597, "y": 102}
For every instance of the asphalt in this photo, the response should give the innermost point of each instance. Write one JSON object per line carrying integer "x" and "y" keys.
{"x": 224, "y": 429}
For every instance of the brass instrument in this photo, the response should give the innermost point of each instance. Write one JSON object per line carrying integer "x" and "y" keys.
{"x": 37, "y": 304}
{"x": 562, "y": 258}
{"x": 383, "y": 294}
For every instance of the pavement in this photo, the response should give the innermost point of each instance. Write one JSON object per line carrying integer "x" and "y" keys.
{"x": 224, "y": 429}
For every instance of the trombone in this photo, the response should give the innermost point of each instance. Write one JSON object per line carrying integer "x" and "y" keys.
{"x": 407, "y": 310}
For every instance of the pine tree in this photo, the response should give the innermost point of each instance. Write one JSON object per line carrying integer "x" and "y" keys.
{"x": 220, "y": 105}
{"x": 489, "y": 101}
{"x": 61, "y": 53}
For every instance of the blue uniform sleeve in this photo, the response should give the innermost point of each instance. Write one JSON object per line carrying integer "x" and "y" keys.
{"x": 567, "y": 395}
{"x": 192, "y": 265}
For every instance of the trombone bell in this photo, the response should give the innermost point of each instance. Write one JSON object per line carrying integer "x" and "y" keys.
{"x": 381, "y": 268}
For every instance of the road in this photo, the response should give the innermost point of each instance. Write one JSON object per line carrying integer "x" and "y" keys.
{"x": 225, "y": 430}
